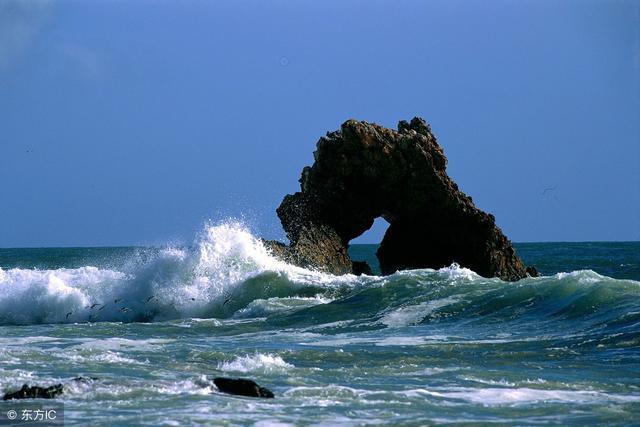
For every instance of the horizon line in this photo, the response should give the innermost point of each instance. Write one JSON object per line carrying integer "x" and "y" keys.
{"x": 352, "y": 244}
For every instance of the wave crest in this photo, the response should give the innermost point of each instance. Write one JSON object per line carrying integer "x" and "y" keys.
{"x": 229, "y": 272}
{"x": 257, "y": 362}
{"x": 176, "y": 283}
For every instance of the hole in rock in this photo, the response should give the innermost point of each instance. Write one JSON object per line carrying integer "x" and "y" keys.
{"x": 364, "y": 247}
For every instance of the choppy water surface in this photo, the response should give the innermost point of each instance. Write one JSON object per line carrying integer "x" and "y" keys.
{"x": 153, "y": 326}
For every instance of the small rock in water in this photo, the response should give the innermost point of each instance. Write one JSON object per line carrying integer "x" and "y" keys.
{"x": 242, "y": 387}
{"x": 35, "y": 392}
{"x": 84, "y": 379}
{"x": 361, "y": 267}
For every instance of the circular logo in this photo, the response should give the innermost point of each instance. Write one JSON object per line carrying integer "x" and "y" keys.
{"x": 12, "y": 415}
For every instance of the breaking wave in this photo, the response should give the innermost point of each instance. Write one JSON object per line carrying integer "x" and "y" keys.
{"x": 229, "y": 273}
{"x": 255, "y": 363}
{"x": 227, "y": 269}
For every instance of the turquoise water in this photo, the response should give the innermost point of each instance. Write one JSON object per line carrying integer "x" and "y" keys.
{"x": 154, "y": 325}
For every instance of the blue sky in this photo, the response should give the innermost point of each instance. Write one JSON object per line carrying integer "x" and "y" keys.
{"x": 134, "y": 122}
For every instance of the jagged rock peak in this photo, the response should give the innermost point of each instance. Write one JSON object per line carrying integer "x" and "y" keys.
{"x": 364, "y": 171}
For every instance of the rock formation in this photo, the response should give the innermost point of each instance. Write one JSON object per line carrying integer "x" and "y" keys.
{"x": 35, "y": 392}
{"x": 242, "y": 387}
{"x": 364, "y": 171}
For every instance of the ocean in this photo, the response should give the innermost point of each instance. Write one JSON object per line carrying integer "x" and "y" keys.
{"x": 150, "y": 327}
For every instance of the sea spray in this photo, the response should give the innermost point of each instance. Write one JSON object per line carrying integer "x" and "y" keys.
{"x": 228, "y": 272}
{"x": 197, "y": 281}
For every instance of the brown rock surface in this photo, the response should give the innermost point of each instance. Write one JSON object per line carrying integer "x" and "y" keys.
{"x": 364, "y": 171}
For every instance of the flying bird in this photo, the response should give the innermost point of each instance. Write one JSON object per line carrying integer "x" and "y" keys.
{"x": 549, "y": 189}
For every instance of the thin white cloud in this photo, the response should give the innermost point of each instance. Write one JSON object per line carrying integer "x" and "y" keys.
{"x": 20, "y": 22}
{"x": 80, "y": 57}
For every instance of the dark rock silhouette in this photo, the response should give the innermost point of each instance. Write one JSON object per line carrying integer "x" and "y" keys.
{"x": 361, "y": 267}
{"x": 364, "y": 171}
{"x": 35, "y": 392}
{"x": 242, "y": 387}
{"x": 85, "y": 379}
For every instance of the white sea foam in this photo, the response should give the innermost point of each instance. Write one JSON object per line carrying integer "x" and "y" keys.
{"x": 414, "y": 314}
{"x": 14, "y": 378}
{"x": 345, "y": 340}
{"x": 90, "y": 389}
{"x": 272, "y": 423}
{"x": 433, "y": 371}
{"x": 103, "y": 357}
{"x": 263, "y": 307}
{"x": 121, "y": 344}
{"x": 25, "y": 341}
{"x": 227, "y": 272}
{"x": 582, "y": 276}
{"x": 496, "y": 396}
{"x": 455, "y": 272}
{"x": 257, "y": 362}
{"x": 44, "y": 296}
{"x": 177, "y": 283}
{"x": 200, "y": 386}
{"x": 501, "y": 382}
{"x": 327, "y": 395}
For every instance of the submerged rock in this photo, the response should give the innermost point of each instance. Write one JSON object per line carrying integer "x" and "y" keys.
{"x": 364, "y": 171}
{"x": 242, "y": 387}
{"x": 85, "y": 379}
{"x": 35, "y": 392}
{"x": 361, "y": 267}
